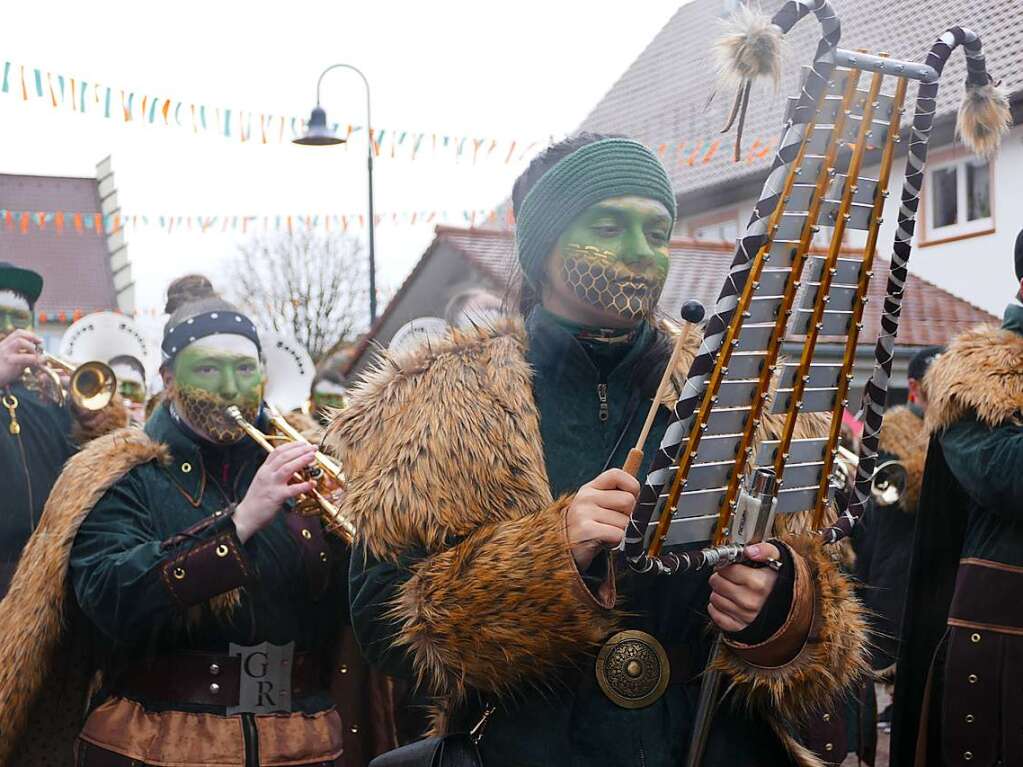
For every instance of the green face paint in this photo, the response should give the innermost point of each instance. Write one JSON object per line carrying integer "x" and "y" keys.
{"x": 614, "y": 256}
{"x": 209, "y": 377}
{"x": 324, "y": 401}
{"x": 132, "y": 391}
{"x": 12, "y": 319}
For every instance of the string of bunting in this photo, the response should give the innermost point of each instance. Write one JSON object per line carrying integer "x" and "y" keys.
{"x": 76, "y": 222}
{"x": 257, "y": 127}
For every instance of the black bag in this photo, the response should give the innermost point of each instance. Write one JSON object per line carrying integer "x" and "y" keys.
{"x": 438, "y": 751}
{"x": 457, "y": 750}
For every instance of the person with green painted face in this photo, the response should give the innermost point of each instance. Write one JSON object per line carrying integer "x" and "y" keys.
{"x": 212, "y": 608}
{"x": 327, "y": 394}
{"x": 37, "y": 434}
{"x": 482, "y": 476}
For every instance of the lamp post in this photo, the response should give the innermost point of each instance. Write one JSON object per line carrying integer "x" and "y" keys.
{"x": 318, "y": 134}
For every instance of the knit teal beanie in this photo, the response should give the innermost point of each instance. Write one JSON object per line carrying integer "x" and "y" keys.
{"x": 613, "y": 167}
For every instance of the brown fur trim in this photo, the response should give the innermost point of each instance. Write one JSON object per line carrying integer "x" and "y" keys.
{"x": 466, "y": 627}
{"x": 982, "y": 372}
{"x": 801, "y": 755}
{"x": 88, "y": 425}
{"x": 903, "y": 435}
{"x": 305, "y": 425}
{"x": 32, "y": 613}
{"x": 832, "y": 660}
{"x": 441, "y": 440}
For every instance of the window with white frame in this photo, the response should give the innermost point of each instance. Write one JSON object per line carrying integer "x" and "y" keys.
{"x": 958, "y": 198}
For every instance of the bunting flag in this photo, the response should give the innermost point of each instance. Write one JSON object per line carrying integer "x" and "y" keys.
{"x": 27, "y": 83}
{"x": 62, "y": 222}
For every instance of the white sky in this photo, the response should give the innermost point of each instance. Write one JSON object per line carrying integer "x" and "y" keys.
{"x": 526, "y": 69}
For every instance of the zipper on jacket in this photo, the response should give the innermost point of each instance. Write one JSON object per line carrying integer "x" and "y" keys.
{"x": 251, "y": 737}
{"x": 603, "y": 413}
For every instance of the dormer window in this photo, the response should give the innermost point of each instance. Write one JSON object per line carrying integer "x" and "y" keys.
{"x": 957, "y": 200}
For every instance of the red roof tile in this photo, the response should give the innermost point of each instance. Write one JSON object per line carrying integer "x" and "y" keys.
{"x": 75, "y": 267}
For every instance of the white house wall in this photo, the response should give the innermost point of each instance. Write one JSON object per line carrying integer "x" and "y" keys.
{"x": 979, "y": 268}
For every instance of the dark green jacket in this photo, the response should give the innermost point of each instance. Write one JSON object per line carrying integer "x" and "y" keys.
{"x": 32, "y": 460}
{"x": 570, "y": 722}
{"x": 987, "y": 461}
{"x": 156, "y": 519}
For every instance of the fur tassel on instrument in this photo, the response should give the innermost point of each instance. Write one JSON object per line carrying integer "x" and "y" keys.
{"x": 984, "y": 118}
{"x": 749, "y": 48}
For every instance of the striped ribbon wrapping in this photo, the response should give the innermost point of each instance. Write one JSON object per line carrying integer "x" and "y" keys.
{"x": 876, "y": 393}
{"x": 664, "y": 466}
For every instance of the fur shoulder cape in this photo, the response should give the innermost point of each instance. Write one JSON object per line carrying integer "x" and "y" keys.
{"x": 442, "y": 443}
{"x": 981, "y": 372}
{"x": 903, "y": 436}
{"x": 34, "y": 613}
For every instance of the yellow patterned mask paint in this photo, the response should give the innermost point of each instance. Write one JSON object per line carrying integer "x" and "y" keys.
{"x": 614, "y": 256}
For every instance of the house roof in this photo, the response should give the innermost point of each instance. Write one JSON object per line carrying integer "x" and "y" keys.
{"x": 75, "y": 266}
{"x": 662, "y": 97}
{"x": 930, "y": 315}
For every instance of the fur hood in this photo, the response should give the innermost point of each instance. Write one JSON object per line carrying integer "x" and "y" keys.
{"x": 981, "y": 372}
{"x": 35, "y": 610}
{"x": 903, "y": 435}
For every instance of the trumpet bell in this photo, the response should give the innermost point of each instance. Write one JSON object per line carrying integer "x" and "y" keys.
{"x": 889, "y": 483}
{"x": 92, "y": 385}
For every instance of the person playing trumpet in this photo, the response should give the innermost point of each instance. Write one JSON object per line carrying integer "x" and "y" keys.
{"x": 212, "y": 610}
{"x": 37, "y": 433}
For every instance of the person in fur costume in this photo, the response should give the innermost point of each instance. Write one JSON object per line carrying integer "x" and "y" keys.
{"x": 960, "y": 664}
{"x": 37, "y": 433}
{"x": 883, "y": 539}
{"x": 482, "y": 481}
{"x": 164, "y": 563}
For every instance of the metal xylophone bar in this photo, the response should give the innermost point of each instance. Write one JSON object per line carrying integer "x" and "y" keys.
{"x": 747, "y": 361}
{"x": 835, "y": 288}
{"x": 651, "y": 497}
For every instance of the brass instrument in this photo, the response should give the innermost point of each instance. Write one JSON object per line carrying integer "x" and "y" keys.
{"x": 324, "y": 471}
{"x": 91, "y": 385}
{"x": 887, "y": 485}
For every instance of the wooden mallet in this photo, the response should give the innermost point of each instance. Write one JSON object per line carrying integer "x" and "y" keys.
{"x": 692, "y": 312}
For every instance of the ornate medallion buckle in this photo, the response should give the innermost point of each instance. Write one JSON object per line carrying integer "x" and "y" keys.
{"x": 632, "y": 669}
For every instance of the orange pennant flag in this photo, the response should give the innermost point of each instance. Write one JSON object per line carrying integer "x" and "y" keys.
{"x": 712, "y": 151}
{"x": 78, "y": 222}
{"x": 24, "y": 223}
{"x": 165, "y": 110}
{"x": 58, "y": 221}
{"x": 97, "y": 220}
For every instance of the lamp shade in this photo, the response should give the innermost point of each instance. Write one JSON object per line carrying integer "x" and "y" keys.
{"x": 317, "y": 132}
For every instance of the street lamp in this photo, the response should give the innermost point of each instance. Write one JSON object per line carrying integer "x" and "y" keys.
{"x": 319, "y": 134}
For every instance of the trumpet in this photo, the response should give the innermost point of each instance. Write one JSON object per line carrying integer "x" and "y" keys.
{"x": 91, "y": 386}
{"x": 323, "y": 471}
{"x": 888, "y": 484}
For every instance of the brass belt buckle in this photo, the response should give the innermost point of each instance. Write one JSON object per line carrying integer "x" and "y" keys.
{"x": 266, "y": 676}
{"x": 632, "y": 669}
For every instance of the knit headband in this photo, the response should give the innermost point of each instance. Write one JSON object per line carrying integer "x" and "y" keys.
{"x": 206, "y": 324}
{"x": 614, "y": 167}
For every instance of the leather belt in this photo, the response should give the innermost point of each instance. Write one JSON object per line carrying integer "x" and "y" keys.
{"x": 204, "y": 679}
{"x": 983, "y": 597}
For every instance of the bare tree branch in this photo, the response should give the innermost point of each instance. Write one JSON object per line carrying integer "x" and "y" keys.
{"x": 311, "y": 286}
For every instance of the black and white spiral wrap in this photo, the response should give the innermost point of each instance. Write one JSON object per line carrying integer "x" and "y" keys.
{"x": 876, "y": 392}
{"x": 661, "y": 471}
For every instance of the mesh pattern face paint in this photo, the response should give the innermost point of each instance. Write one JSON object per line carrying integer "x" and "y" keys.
{"x": 602, "y": 279}
{"x": 205, "y": 412}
